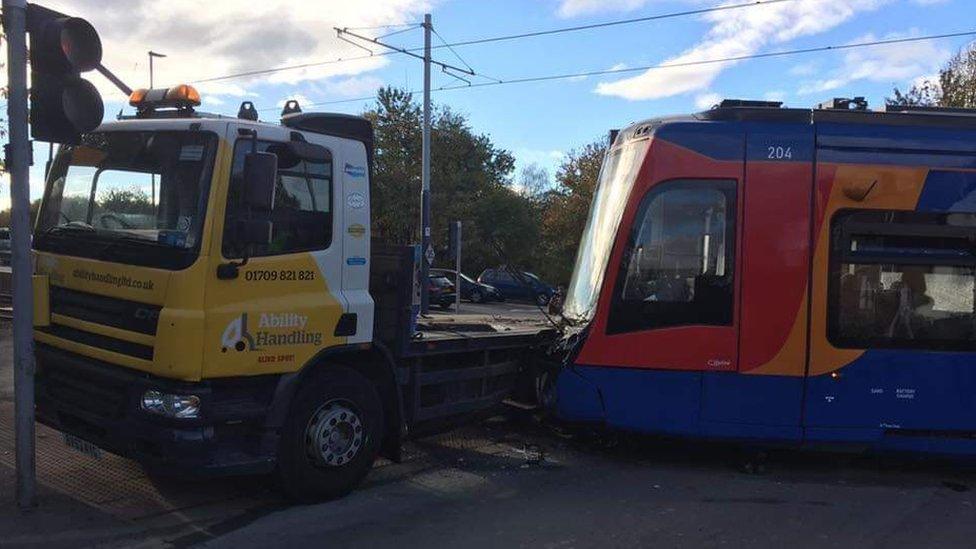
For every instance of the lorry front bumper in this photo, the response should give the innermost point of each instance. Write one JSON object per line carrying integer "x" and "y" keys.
{"x": 101, "y": 403}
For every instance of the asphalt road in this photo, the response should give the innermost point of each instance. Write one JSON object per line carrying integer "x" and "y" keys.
{"x": 513, "y": 480}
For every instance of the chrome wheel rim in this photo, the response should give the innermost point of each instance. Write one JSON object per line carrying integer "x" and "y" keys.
{"x": 335, "y": 434}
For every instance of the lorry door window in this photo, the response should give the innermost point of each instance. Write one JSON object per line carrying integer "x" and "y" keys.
{"x": 902, "y": 280}
{"x": 302, "y": 215}
{"x": 678, "y": 266}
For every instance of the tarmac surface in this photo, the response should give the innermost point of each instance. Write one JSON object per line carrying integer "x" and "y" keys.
{"x": 511, "y": 480}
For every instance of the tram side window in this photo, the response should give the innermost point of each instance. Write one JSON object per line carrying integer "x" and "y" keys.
{"x": 678, "y": 266}
{"x": 903, "y": 280}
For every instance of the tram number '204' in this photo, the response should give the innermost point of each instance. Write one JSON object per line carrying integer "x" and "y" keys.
{"x": 779, "y": 152}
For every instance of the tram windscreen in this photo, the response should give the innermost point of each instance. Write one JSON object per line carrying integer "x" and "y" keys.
{"x": 617, "y": 177}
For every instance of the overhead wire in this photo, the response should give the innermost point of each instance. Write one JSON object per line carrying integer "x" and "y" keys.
{"x": 604, "y": 72}
{"x": 486, "y": 40}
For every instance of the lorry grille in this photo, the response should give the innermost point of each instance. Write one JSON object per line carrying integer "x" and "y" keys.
{"x": 64, "y": 378}
{"x": 100, "y": 309}
{"x": 108, "y": 311}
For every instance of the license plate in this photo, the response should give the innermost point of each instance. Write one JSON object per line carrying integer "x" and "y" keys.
{"x": 82, "y": 446}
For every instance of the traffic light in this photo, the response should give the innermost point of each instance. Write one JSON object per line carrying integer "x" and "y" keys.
{"x": 63, "y": 105}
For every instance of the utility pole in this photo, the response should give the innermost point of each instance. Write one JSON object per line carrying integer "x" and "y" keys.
{"x": 428, "y": 250}
{"x": 18, "y": 166}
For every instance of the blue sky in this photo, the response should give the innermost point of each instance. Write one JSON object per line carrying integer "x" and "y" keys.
{"x": 540, "y": 121}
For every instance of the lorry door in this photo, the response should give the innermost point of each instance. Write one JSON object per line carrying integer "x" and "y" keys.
{"x": 766, "y": 388}
{"x": 353, "y": 197}
{"x": 893, "y": 324}
{"x": 284, "y": 304}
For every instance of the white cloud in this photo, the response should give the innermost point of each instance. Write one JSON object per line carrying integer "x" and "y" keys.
{"x": 774, "y": 95}
{"x": 732, "y": 34}
{"x": 707, "y": 100}
{"x": 804, "y": 69}
{"x": 538, "y": 156}
{"x": 575, "y": 8}
{"x": 352, "y": 87}
{"x": 547, "y": 159}
{"x": 302, "y": 100}
{"x": 889, "y": 63}
{"x": 229, "y": 36}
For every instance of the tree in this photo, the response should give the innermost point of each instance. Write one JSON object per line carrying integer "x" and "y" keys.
{"x": 533, "y": 182}
{"x": 124, "y": 201}
{"x": 564, "y": 211}
{"x": 469, "y": 177}
{"x": 956, "y": 85}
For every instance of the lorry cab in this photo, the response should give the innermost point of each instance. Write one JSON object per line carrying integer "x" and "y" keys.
{"x": 208, "y": 301}
{"x": 790, "y": 275}
{"x": 150, "y": 210}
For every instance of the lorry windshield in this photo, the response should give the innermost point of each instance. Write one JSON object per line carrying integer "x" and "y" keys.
{"x": 617, "y": 178}
{"x": 131, "y": 190}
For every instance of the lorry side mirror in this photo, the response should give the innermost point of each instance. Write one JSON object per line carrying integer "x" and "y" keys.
{"x": 260, "y": 177}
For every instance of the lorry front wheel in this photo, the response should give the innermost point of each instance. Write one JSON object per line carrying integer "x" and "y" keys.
{"x": 331, "y": 437}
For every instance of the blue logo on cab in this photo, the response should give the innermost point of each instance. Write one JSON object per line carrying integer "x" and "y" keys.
{"x": 354, "y": 171}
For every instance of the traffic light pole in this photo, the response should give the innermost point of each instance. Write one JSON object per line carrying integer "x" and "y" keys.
{"x": 426, "y": 248}
{"x": 18, "y": 166}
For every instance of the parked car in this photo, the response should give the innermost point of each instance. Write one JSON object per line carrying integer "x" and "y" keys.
{"x": 530, "y": 287}
{"x": 471, "y": 289}
{"x": 440, "y": 291}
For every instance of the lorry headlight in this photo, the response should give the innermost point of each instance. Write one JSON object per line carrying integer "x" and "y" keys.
{"x": 174, "y": 406}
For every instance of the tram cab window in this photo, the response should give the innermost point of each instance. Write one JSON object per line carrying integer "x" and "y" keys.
{"x": 678, "y": 266}
{"x": 903, "y": 280}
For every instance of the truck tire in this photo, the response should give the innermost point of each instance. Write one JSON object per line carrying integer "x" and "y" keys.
{"x": 331, "y": 437}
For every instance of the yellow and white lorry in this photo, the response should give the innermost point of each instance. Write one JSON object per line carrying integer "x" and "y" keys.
{"x": 209, "y": 301}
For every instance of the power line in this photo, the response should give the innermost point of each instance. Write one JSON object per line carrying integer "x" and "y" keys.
{"x": 670, "y": 15}
{"x": 461, "y": 59}
{"x": 765, "y": 55}
{"x": 410, "y": 28}
{"x": 393, "y": 26}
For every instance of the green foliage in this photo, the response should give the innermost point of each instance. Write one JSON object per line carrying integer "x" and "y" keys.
{"x": 470, "y": 181}
{"x": 121, "y": 201}
{"x": 956, "y": 85}
{"x": 34, "y": 207}
{"x": 563, "y": 212}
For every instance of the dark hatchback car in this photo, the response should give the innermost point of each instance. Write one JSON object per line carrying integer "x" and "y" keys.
{"x": 471, "y": 289}
{"x": 440, "y": 291}
{"x": 530, "y": 287}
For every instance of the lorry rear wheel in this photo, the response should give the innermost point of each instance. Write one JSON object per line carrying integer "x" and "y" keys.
{"x": 331, "y": 436}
